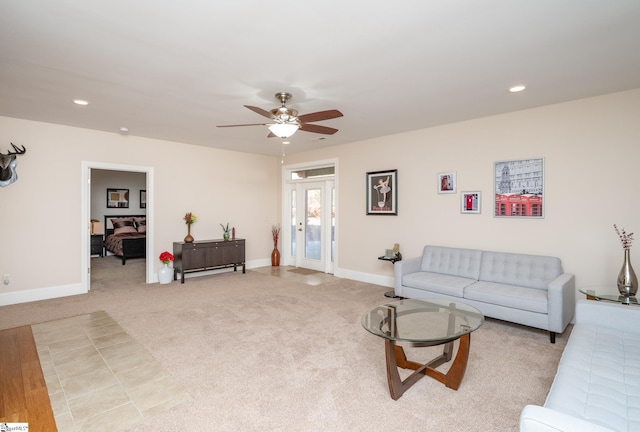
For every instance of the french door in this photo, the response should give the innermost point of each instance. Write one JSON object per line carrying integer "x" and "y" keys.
{"x": 310, "y": 242}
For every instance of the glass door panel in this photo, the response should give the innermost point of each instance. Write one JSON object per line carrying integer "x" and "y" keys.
{"x": 313, "y": 224}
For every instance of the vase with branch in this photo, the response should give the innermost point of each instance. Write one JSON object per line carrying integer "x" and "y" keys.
{"x": 189, "y": 219}
{"x": 275, "y": 254}
{"x": 627, "y": 281}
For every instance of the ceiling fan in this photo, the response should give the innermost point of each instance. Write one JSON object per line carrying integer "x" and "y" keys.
{"x": 286, "y": 121}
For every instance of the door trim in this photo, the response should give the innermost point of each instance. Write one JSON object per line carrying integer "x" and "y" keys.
{"x": 286, "y": 258}
{"x": 85, "y": 217}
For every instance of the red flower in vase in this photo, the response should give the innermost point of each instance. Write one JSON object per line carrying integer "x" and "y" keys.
{"x": 166, "y": 257}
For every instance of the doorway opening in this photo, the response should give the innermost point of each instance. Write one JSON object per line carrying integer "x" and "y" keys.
{"x": 89, "y": 210}
{"x": 309, "y": 216}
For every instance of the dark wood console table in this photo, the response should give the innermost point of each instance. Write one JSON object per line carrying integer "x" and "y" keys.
{"x": 207, "y": 255}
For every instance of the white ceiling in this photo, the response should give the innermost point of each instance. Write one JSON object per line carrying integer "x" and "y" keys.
{"x": 174, "y": 70}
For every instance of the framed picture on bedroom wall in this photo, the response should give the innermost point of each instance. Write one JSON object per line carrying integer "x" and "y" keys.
{"x": 382, "y": 192}
{"x": 143, "y": 198}
{"x": 519, "y": 188}
{"x": 117, "y": 198}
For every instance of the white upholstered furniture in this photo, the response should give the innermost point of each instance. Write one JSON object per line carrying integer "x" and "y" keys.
{"x": 597, "y": 386}
{"x": 531, "y": 290}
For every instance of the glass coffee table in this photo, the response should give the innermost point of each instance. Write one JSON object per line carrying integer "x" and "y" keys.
{"x": 423, "y": 323}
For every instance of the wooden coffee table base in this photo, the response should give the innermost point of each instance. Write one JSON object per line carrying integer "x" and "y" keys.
{"x": 396, "y": 358}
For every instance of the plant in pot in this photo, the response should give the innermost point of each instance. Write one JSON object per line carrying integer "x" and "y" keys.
{"x": 225, "y": 232}
{"x": 189, "y": 219}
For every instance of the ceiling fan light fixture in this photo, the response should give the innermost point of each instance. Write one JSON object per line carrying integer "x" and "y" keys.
{"x": 283, "y": 130}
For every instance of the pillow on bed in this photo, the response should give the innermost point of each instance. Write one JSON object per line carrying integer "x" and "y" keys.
{"x": 141, "y": 224}
{"x": 123, "y": 226}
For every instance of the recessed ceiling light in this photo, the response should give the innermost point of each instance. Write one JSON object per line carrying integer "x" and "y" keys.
{"x": 124, "y": 130}
{"x": 517, "y": 88}
{"x": 80, "y": 102}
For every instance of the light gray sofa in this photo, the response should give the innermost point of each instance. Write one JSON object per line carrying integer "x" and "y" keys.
{"x": 531, "y": 290}
{"x": 597, "y": 386}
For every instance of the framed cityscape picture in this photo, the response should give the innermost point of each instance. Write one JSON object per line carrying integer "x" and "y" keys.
{"x": 519, "y": 188}
{"x": 382, "y": 192}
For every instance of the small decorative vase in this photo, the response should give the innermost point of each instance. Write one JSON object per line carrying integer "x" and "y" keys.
{"x": 189, "y": 237}
{"x": 627, "y": 280}
{"x": 226, "y": 235}
{"x": 275, "y": 254}
{"x": 165, "y": 274}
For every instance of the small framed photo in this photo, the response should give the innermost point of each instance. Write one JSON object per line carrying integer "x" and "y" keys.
{"x": 117, "y": 198}
{"x": 470, "y": 202}
{"x": 382, "y": 192}
{"x": 447, "y": 182}
{"x": 519, "y": 188}
{"x": 143, "y": 198}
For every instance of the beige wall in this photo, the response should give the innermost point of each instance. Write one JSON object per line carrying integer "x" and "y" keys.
{"x": 591, "y": 149}
{"x": 41, "y": 212}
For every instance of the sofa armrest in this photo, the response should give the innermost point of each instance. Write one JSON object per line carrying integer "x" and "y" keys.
{"x": 608, "y": 314}
{"x": 540, "y": 419}
{"x": 562, "y": 301}
{"x": 403, "y": 267}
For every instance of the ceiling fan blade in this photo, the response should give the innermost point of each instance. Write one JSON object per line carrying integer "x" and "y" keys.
{"x": 320, "y": 115}
{"x": 238, "y": 125}
{"x": 260, "y": 111}
{"x": 317, "y": 129}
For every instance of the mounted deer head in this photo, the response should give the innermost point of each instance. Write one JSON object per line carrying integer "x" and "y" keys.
{"x": 8, "y": 165}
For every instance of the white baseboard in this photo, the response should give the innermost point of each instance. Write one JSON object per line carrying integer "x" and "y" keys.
{"x": 37, "y": 294}
{"x": 387, "y": 281}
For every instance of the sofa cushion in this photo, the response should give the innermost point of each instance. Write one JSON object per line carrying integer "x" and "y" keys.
{"x": 598, "y": 378}
{"x": 439, "y": 283}
{"x": 511, "y": 296}
{"x": 530, "y": 271}
{"x": 452, "y": 261}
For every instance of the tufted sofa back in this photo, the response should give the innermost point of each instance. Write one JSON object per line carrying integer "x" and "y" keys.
{"x": 531, "y": 271}
{"x": 451, "y": 261}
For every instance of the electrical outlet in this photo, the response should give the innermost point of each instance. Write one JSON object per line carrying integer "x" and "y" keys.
{"x": 6, "y": 279}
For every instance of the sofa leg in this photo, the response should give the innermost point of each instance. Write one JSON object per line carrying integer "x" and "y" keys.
{"x": 552, "y": 337}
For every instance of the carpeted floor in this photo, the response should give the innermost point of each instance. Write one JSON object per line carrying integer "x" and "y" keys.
{"x": 267, "y": 351}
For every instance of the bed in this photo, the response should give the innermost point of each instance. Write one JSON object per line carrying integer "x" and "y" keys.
{"x": 126, "y": 236}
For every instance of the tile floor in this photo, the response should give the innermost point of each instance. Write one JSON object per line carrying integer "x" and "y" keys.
{"x": 98, "y": 377}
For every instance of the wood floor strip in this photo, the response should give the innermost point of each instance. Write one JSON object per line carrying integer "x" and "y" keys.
{"x": 23, "y": 392}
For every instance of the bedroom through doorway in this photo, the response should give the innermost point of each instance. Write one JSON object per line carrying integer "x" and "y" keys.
{"x": 124, "y": 194}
